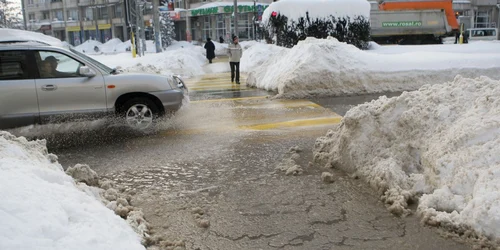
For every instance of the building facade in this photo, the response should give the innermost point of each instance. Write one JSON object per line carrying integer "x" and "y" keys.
{"x": 478, "y": 13}
{"x": 215, "y": 19}
{"x": 76, "y": 21}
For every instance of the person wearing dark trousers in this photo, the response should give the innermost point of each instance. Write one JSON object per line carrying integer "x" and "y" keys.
{"x": 221, "y": 40}
{"x": 235, "y": 52}
{"x": 210, "y": 47}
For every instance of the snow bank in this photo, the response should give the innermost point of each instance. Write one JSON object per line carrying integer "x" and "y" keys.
{"x": 42, "y": 208}
{"x": 442, "y": 141}
{"x": 23, "y": 35}
{"x": 186, "y": 62}
{"x": 327, "y": 67}
{"x": 258, "y": 54}
{"x": 111, "y": 46}
{"x": 295, "y": 9}
{"x": 88, "y": 47}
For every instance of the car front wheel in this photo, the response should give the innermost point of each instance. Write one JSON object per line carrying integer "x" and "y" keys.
{"x": 140, "y": 113}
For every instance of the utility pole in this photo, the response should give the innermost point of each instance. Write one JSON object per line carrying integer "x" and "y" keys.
{"x": 138, "y": 39}
{"x": 188, "y": 23}
{"x": 156, "y": 22}
{"x": 236, "y": 18}
{"x": 24, "y": 15}
{"x": 143, "y": 28}
{"x": 254, "y": 19}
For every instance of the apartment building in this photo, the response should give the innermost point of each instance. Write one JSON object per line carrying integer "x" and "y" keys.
{"x": 76, "y": 21}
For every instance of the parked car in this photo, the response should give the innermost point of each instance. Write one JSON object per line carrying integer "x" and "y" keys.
{"x": 41, "y": 84}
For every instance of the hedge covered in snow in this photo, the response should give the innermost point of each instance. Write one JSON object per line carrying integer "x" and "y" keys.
{"x": 289, "y": 21}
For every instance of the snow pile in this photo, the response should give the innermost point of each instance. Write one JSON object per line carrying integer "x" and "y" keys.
{"x": 111, "y": 46}
{"x": 258, "y": 54}
{"x": 442, "y": 141}
{"x": 23, "y": 35}
{"x": 42, "y": 208}
{"x": 88, "y": 47}
{"x": 186, "y": 62}
{"x": 247, "y": 44}
{"x": 181, "y": 45}
{"x": 123, "y": 47}
{"x": 220, "y": 48}
{"x": 295, "y": 9}
{"x": 327, "y": 67}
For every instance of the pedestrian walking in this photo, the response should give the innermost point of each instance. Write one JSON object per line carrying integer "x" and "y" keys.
{"x": 221, "y": 40}
{"x": 235, "y": 52}
{"x": 210, "y": 47}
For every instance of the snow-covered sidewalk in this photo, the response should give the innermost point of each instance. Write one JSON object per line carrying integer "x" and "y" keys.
{"x": 43, "y": 208}
{"x": 440, "y": 144}
{"x": 326, "y": 67}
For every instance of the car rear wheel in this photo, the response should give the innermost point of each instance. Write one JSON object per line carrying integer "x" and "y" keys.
{"x": 140, "y": 113}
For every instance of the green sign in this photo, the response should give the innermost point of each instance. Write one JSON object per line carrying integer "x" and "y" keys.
{"x": 243, "y": 8}
{"x": 226, "y": 9}
{"x": 402, "y": 24}
{"x": 204, "y": 12}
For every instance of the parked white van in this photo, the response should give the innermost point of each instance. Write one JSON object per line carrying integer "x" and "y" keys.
{"x": 478, "y": 34}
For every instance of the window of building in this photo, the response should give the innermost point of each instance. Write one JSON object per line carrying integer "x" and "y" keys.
{"x": 31, "y": 2}
{"x": 118, "y": 12}
{"x": 102, "y": 13}
{"x": 245, "y": 28}
{"x": 55, "y": 1}
{"x": 72, "y": 14}
{"x": 45, "y": 15}
{"x": 221, "y": 26}
{"x": 207, "y": 26}
{"x": 179, "y": 4}
{"x": 31, "y": 16}
{"x": 482, "y": 19}
{"x": 89, "y": 14}
{"x": 59, "y": 15}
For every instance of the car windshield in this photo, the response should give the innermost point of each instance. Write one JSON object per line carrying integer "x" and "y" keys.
{"x": 93, "y": 61}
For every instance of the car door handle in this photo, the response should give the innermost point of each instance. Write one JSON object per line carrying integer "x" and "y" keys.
{"x": 49, "y": 87}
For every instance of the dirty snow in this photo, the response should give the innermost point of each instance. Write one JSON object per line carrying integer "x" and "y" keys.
{"x": 294, "y": 9}
{"x": 41, "y": 207}
{"x": 441, "y": 142}
{"x": 327, "y": 67}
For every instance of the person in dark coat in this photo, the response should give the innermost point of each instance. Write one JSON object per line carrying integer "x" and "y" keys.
{"x": 221, "y": 40}
{"x": 210, "y": 47}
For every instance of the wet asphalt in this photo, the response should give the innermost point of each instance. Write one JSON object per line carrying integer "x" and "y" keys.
{"x": 208, "y": 175}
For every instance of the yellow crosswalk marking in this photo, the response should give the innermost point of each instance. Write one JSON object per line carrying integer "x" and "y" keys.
{"x": 295, "y": 123}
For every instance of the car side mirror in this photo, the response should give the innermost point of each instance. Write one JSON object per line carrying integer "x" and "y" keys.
{"x": 86, "y": 71}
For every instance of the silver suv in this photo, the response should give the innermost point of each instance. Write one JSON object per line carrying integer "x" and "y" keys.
{"x": 41, "y": 84}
